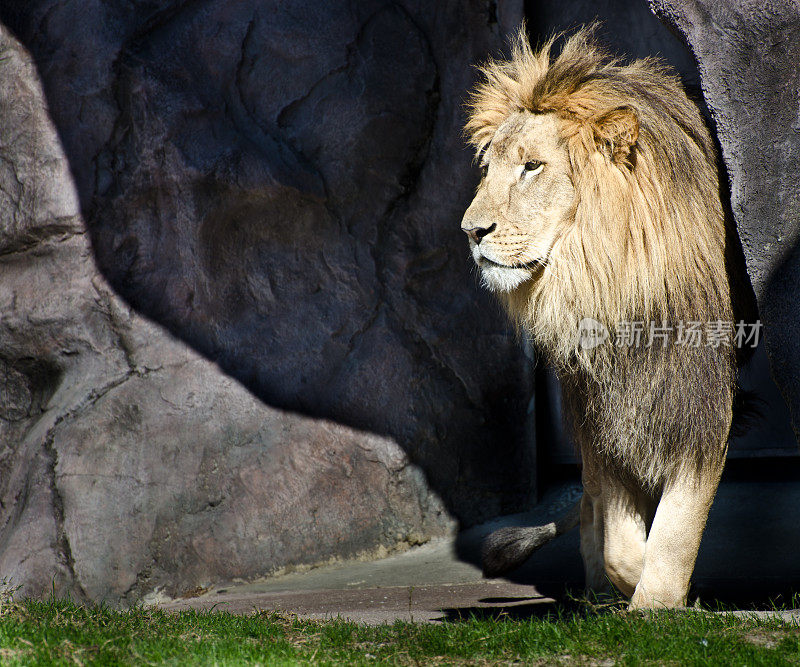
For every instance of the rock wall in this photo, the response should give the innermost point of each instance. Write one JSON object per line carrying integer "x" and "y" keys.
{"x": 239, "y": 327}
{"x": 129, "y": 462}
{"x": 748, "y": 54}
{"x": 279, "y": 186}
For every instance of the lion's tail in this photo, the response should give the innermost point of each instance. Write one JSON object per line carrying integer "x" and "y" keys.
{"x": 508, "y": 548}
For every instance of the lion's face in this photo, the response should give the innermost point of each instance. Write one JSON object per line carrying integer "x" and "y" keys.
{"x": 523, "y": 203}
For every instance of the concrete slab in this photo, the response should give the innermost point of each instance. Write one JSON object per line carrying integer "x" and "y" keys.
{"x": 748, "y": 559}
{"x": 435, "y": 582}
{"x": 419, "y": 604}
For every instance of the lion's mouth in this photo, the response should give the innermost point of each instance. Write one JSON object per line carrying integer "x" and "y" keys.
{"x": 533, "y": 265}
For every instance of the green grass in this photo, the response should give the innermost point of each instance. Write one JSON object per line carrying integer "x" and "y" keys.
{"x": 60, "y": 632}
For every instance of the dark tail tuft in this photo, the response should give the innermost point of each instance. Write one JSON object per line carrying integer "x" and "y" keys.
{"x": 506, "y": 549}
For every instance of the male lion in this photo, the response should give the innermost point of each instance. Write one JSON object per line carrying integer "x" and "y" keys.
{"x": 600, "y": 203}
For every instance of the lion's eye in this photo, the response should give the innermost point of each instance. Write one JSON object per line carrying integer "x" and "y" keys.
{"x": 534, "y": 165}
{"x": 484, "y": 170}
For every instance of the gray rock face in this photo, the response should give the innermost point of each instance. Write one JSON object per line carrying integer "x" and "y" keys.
{"x": 748, "y": 55}
{"x": 280, "y": 186}
{"x": 130, "y": 463}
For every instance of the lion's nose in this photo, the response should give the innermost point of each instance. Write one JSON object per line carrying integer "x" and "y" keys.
{"x": 478, "y": 232}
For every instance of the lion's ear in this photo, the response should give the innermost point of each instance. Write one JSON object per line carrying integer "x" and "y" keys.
{"x": 616, "y": 132}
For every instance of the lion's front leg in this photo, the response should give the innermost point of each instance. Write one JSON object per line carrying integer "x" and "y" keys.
{"x": 627, "y": 514}
{"x": 674, "y": 539}
{"x": 614, "y": 524}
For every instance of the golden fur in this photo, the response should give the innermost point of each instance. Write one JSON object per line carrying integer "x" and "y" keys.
{"x": 648, "y": 242}
{"x": 600, "y": 199}
{"x": 644, "y": 241}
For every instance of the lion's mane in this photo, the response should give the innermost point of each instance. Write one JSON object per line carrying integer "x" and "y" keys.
{"x": 647, "y": 243}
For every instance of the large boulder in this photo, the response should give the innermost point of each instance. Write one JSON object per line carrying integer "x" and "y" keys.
{"x": 130, "y": 463}
{"x": 280, "y": 186}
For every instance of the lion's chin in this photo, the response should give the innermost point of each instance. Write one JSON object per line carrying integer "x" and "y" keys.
{"x": 503, "y": 279}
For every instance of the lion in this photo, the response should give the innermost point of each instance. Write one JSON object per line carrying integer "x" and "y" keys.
{"x": 600, "y": 202}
